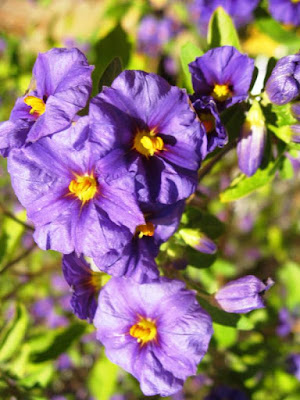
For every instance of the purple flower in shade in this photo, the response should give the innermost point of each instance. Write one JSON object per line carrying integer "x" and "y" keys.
{"x": 208, "y": 114}
{"x": 283, "y": 85}
{"x": 153, "y": 33}
{"x": 224, "y": 74}
{"x": 63, "y": 362}
{"x": 225, "y": 392}
{"x": 241, "y": 11}
{"x": 137, "y": 259}
{"x": 286, "y": 11}
{"x": 3, "y": 45}
{"x": 293, "y": 365}
{"x": 295, "y": 110}
{"x": 251, "y": 144}
{"x": 287, "y": 321}
{"x": 243, "y": 295}
{"x": 198, "y": 240}
{"x": 295, "y": 133}
{"x": 69, "y": 197}
{"x": 156, "y": 331}
{"x": 150, "y": 129}
{"x": 60, "y": 87}
{"x": 41, "y": 308}
{"x": 85, "y": 284}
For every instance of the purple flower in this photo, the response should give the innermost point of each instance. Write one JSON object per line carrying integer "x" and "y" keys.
{"x": 224, "y": 74}
{"x": 85, "y": 284}
{"x": 153, "y": 33}
{"x": 251, "y": 145}
{"x": 286, "y": 11}
{"x": 69, "y": 197}
{"x": 226, "y": 392}
{"x": 137, "y": 259}
{"x": 283, "y": 85}
{"x": 293, "y": 365}
{"x": 243, "y": 295}
{"x": 149, "y": 129}
{"x": 208, "y": 114}
{"x": 157, "y": 332}
{"x": 60, "y": 87}
{"x": 241, "y": 11}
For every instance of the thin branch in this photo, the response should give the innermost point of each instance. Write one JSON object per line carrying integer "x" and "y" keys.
{"x": 208, "y": 167}
{"x": 19, "y": 258}
{"x": 13, "y": 217}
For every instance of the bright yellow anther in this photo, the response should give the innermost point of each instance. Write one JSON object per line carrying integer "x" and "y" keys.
{"x": 145, "y": 230}
{"x": 147, "y": 143}
{"x": 84, "y": 187}
{"x": 208, "y": 121}
{"x": 295, "y": 1}
{"x": 221, "y": 92}
{"x": 144, "y": 331}
{"x": 38, "y": 107}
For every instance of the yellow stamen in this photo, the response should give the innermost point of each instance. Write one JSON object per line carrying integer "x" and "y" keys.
{"x": 295, "y": 1}
{"x": 144, "y": 331}
{"x": 95, "y": 280}
{"x": 208, "y": 121}
{"x": 38, "y": 107}
{"x": 221, "y": 92}
{"x": 147, "y": 143}
{"x": 84, "y": 187}
{"x": 145, "y": 230}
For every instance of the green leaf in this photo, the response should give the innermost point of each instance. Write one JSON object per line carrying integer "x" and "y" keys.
{"x": 225, "y": 336}
{"x": 284, "y": 115}
{"x": 61, "y": 342}
{"x": 113, "y": 69}
{"x": 189, "y": 52}
{"x": 221, "y": 30}
{"x": 102, "y": 380}
{"x": 276, "y": 31}
{"x": 219, "y": 316}
{"x": 242, "y": 186}
{"x": 13, "y": 232}
{"x": 199, "y": 260}
{"x": 286, "y": 169}
{"x": 12, "y": 336}
{"x": 207, "y": 223}
{"x": 115, "y": 44}
{"x": 289, "y": 275}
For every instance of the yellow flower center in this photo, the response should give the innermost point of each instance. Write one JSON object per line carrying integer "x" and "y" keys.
{"x": 147, "y": 143}
{"x": 84, "y": 187}
{"x": 295, "y": 1}
{"x": 95, "y": 280}
{"x": 145, "y": 230}
{"x": 221, "y": 92}
{"x": 38, "y": 107}
{"x": 144, "y": 331}
{"x": 208, "y": 121}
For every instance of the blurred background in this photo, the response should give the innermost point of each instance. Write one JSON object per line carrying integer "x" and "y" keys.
{"x": 48, "y": 352}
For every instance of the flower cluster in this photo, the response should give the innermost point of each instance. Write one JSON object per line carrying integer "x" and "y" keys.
{"x": 111, "y": 186}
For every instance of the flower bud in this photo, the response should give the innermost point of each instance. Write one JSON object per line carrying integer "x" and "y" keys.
{"x": 284, "y": 82}
{"x": 250, "y": 148}
{"x": 198, "y": 240}
{"x": 243, "y": 295}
